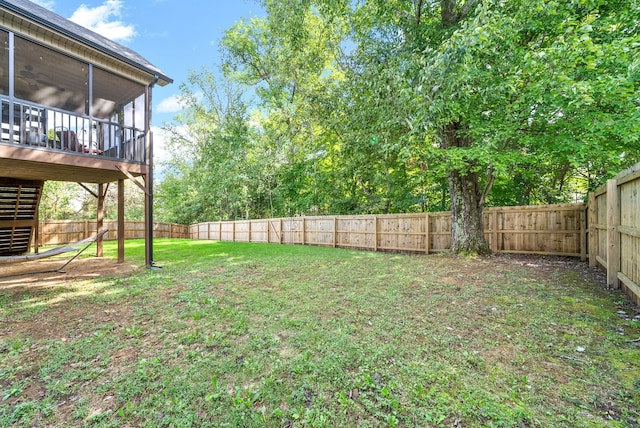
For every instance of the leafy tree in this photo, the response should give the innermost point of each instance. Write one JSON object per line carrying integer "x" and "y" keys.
{"x": 209, "y": 172}
{"x": 536, "y": 80}
{"x": 69, "y": 201}
{"x": 536, "y": 93}
{"x": 289, "y": 59}
{"x": 59, "y": 200}
{"x": 401, "y": 105}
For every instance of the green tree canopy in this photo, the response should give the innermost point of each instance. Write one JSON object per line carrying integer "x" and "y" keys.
{"x": 404, "y": 105}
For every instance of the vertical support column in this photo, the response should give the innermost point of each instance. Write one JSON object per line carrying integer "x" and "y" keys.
{"x": 592, "y": 223}
{"x": 148, "y": 179}
{"x": 12, "y": 73}
{"x": 100, "y": 220}
{"x": 36, "y": 231}
{"x": 41, "y": 227}
{"x": 148, "y": 223}
{"x": 121, "y": 220}
{"x": 613, "y": 236}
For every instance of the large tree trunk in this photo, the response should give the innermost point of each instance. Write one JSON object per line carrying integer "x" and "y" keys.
{"x": 467, "y": 200}
{"x": 467, "y": 225}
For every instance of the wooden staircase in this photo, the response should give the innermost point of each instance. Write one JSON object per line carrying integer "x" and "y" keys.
{"x": 19, "y": 200}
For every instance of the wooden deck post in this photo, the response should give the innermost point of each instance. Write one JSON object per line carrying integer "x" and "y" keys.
{"x": 121, "y": 225}
{"x": 100, "y": 220}
{"x": 613, "y": 236}
{"x": 36, "y": 229}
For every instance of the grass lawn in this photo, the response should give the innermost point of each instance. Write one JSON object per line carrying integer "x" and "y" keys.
{"x": 259, "y": 335}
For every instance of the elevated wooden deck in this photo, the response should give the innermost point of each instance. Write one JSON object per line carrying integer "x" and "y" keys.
{"x": 33, "y": 163}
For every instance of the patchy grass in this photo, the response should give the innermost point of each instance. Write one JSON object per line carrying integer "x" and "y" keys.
{"x": 230, "y": 334}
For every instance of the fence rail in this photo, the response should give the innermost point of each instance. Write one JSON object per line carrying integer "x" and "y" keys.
{"x": 547, "y": 229}
{"x": 56, "y": 232}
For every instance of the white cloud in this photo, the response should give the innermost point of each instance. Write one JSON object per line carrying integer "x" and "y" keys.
{"x": 160, "y": 153}
{"x": 170, "y": 105}
{"x": 104, "y": 20}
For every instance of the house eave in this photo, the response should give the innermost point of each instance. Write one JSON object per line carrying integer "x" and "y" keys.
{"x": 96, "y": 43}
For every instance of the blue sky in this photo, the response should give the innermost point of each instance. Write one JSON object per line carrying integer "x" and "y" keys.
{"x": 174, "y": 35}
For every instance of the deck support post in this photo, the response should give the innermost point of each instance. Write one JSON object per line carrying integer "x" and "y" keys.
{"x": 100, "y": 220}
{"x": 121, "y": 221}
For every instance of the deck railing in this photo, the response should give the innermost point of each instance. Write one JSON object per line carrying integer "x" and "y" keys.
{"x": 47, "y": 128}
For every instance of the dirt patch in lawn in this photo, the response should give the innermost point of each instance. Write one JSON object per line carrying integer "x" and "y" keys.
{"x": 40, "y": 274}
{"x": 51, "y": 279}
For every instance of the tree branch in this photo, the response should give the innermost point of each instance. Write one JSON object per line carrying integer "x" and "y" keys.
{"x": 448, "y": 12}
{"x": 488, "y": 186}
{"x": 418, "y": 12}
{"x": 466, "y": 8}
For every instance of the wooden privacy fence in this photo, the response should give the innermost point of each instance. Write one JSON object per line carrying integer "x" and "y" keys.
{"x": 614, "y": 231}
{"x": 547, "y": 229}
{"x": 56, "y": 232}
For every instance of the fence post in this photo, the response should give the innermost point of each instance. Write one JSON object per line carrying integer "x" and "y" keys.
{"x": 583, "y": 235}
{"x": 613, "y": 237}
{"x": 592, "y": 223}
{"x": 375, "y": 234}
{"x": 335, "y": 231}
{"x": 269, "y": 226}
{"x": 303, "y": 230}
{"x": 426, "y": 234}
{"x": 281, "y": 233}
{"x": 249, "y": 230}
{"x": 494, "y": 230}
